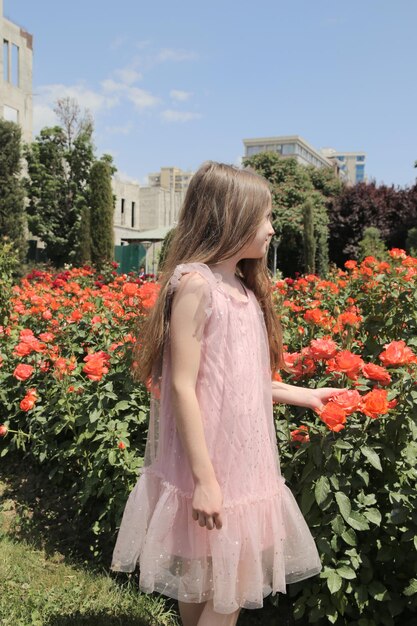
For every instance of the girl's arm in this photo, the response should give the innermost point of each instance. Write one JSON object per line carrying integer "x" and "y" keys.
{"x": 189, "y": 303}
{"x": 303, "y": 396}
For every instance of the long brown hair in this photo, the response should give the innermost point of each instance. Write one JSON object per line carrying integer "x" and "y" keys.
{"x": 222, "y": 210}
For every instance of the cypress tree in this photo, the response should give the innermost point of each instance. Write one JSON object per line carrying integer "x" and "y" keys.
{"x": 12, "y": 199}
{"x": 84, "y": 237}
{"x": 308, "y": 237}
{"x": 371, "y": 244}
{"x": 101, "y": 214}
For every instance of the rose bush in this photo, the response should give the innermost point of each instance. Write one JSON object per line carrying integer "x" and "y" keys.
{"x": 355, "y": 475}
{"x": 67, "y": 399}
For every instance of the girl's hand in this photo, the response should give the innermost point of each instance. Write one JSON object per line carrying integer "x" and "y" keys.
{"x": 323, "y": 394}
{"x": 207, "y": 504}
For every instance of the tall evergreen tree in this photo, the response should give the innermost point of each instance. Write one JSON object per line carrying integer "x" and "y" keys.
{"x": 101, "y": 211}
{"x": 12, "y": 200}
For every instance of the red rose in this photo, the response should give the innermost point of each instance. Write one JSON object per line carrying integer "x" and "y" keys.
{"x": 121, "y": 445}
{"x": 376, "y": 372}
{"x": 3, "y": 430}
{"x": 333, "y": 416}
{"x": 23, "y": 371}
{"x": 300, "y": 434}
{"x": 375, "y": 403}
{"x": 29, "y": 400}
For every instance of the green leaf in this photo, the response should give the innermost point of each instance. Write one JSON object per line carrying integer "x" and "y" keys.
{"x": 343, "y": 503}
{"x": 373, "y": 515}
{"x": 334, "y": 582}
{"x": 378, "y": 591}
{"x": 411, "y": 590}
{"x": 322, "y": 490}
{"x": 349, "y": 537}
{"x": 372, "y": 457}
{"x": 364, "y": 475}
{"x": 346, "y": 572}
{"x": 337, "y": 525}
{"x": 112, "y": 457}
{"x": 324, "y": 546}
{"x": 357, "y": 521}
{"x": 122, "y": 406}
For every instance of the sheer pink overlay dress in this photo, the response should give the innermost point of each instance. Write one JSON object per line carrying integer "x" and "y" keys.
{"x": 265, "y": 542}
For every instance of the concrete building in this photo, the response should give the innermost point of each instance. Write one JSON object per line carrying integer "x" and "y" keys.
{"x": 349, "y": 166}
{"x": 172, "y": 178}
{"x": 16, "y": 75}
{"x": 140, "y": 209}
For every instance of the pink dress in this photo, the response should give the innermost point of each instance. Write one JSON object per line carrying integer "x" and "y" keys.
{"x": 264, "y": 543}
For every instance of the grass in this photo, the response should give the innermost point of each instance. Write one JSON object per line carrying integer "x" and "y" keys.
{"x": 44, "y": 580}
{"x": 48, "y": 576}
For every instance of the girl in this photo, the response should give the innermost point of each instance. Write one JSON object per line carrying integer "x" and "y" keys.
{"x": 210, "y": 521}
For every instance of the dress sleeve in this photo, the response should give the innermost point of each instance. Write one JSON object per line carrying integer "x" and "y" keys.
{"x": 193, "y": 278}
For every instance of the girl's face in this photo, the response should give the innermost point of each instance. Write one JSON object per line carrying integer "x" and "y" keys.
{"x": 258, "y": 247}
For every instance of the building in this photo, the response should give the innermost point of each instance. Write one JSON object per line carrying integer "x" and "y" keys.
{"x": 144, "y": 215}
{"x": 170, "y": 178}
{"x": 16, "y": 75}
{"x": 350, "y": 166}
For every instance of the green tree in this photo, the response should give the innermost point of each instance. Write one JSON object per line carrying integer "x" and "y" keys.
{"x": 59, "y": 162}
{"x": 411, "y": 241}
{"x": 309, "y": 237}
{"x": 101, "y": 213}
{"x": 12, "y": 200}
{"x": 371, "y": 244}
{"x": 291, "y": 186}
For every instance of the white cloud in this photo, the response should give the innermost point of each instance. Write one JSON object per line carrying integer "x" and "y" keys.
{"x": 180, "y": 96}
{"x": 140, "y": 98}
{"x": 128, "y": 75}
{"x": 169, "y": 115}
{"x": 43, "y": 115}
{"x": 169, "y": 54}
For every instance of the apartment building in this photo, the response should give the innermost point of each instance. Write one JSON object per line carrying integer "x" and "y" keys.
{"x": 16, "y": 54}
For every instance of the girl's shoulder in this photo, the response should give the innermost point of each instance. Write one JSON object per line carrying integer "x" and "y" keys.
{"x": 199, "y": 270}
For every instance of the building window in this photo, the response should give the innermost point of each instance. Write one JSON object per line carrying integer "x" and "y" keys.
{"x": 288, "y": 148}
{"x": 15, "y": 65}
{"x": 122, "y": 211}
{"x": 340, "y": 157}
{"x": 360, "y": 173}
{"x": 10, "y": 114}
{"x": 251, "y": 150}
{"x": 133, "y": 215}
{"x": 6, "y": 64}
{"x": 360, "y": 159}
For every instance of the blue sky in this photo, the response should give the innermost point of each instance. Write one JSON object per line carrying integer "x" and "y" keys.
{"x": 176, "y": 83}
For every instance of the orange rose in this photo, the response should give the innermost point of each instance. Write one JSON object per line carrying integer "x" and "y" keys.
{"x": 130, "y": 289}
{"x": 346, "y": 363}
{"x": 350, "y": 265}
{"x": 376, "y": 372}
{"x": 333, "y": 416}
{"x": 3, "y": 430}
{"x": 95, "y": 366}
{"x": 148, "y": 294}
{"x": 29, "y": 400}
{"x": 23, "y": 371}
{"x": 348, "y": 400}
{"x": 121, "y": 445}
{"x": 397, "y": 353}
{"x": 323, "y": 348}
{"x": 375, "y": 403}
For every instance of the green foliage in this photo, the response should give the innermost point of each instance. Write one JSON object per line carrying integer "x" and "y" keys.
{"x": 372, "y": 244}
{"x": 411, "y": 242}
{"x": 291, "y": 186}
{"x": 101, "y": 213}
{"x": 84, "y": 236}
{"x": 56, "y": 187}
{"x": 12, "y": 207}
{"x": 9, "y": 261}
{"x": 308, "y": 238}
{"x": 164, "y": 248}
